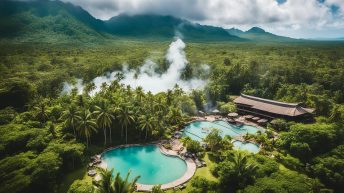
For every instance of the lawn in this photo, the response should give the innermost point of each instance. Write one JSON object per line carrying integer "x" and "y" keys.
{"x": 70, "y": 177}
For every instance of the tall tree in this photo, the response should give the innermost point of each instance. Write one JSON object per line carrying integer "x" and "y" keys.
{"x": 104, "y": 116}
{"x": 126, "y": 117}
{"x": 124, "y": 185}
{"x": 109, "y": 184}
{"x": 139, "y": 94}
{"x": 146, "y": 123}
{"x": 214, "y": 140}
{"x": 175, "y": 115}
{"x": 237, "y": 172}
{"x": 89, "y": 88}
{"x": 105, "y": 185}
{"x": 41, "y": 111}
{"x": 241, "y": 165}
{"x": 87, "y": 125}
{"x": 70, "y": 117}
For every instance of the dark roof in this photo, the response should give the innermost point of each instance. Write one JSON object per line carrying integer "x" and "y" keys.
{"x": 271, "y": 106}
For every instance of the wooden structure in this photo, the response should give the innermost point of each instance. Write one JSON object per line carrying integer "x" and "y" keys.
{"x": 270, "y": 109}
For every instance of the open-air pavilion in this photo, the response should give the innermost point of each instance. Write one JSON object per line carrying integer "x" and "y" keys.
{"x": 270, "y": 109}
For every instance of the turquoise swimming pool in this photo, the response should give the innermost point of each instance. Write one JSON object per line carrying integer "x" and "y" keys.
{"x": 198, "y": 130}
{"x": 145, "y": 161}
{"x": 246, "y": 146}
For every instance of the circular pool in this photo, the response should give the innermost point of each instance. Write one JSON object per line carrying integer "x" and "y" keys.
{"x": 146, "y": 161}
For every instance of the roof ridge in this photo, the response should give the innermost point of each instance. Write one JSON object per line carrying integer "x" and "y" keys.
{"x": 295, "y": 105}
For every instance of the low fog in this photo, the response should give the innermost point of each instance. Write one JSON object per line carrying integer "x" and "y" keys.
{"x": 147, "y": 78}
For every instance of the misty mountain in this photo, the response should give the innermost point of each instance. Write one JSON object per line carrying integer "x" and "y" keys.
{"x": 156, "y": 26}
{"x": 48, "y": 21}
{"x": 55, "y": 21}
{"x": 259, "y": 34}
{"x": 235, "y": 32}
{"x": 328, "y": 39}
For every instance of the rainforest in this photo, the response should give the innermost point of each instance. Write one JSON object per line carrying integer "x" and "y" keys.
{"x": 158, "y": 102}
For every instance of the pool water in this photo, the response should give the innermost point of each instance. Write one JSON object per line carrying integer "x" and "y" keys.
{"x": 147, "y": 162}
{"x": 198, "y": 130}
{"x": 246, "y": 146}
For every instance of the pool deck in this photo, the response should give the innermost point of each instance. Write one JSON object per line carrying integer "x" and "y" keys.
{"x": 190, "y": 169}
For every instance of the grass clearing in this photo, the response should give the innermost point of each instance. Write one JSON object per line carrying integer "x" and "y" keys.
{"x": 69, "y": 178}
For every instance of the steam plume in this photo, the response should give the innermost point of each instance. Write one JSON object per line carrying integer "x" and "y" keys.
{"x": 147, "y": 78}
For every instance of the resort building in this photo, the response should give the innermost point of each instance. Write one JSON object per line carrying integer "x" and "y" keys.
{"x": 270, "y": 109}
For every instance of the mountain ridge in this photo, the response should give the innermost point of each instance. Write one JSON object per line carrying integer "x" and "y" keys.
{"x": 164, "y": 27}
{"x": 56, "y": 21}
{"x": 259, "y": 34}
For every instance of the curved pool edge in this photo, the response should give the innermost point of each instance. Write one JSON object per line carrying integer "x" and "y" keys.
{"x": 249, "y": 141}
{"x": 189, "y": 173}
{"x": 262, "y": 129}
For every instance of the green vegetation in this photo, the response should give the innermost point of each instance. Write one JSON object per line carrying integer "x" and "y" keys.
{"x": 42, "y": 143}
{"x": 39, "y": 123}
{"x": 213, "y": 140}
{"x": 55, "y": 21}
{"x": 46, "y": 138}
{"x": 110, "y": 184}
{"x": 191, "y": 145}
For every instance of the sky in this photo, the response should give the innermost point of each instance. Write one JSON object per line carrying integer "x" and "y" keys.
{"x": 292, "y": 18}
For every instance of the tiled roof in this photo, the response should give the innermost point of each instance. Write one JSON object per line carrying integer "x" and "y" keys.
{"x": 271, "y": 106}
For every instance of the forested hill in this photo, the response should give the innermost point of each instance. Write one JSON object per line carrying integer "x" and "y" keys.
{"x": 155, "y": 26}
{"x": 55, "y": 21}
{"x": 48, "y": 21}
{"x": 259, "y": 34}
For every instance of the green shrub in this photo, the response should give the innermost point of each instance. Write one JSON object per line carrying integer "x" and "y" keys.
{"x": 81, "y": 186}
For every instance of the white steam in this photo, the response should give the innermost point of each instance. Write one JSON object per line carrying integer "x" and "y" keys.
{"x": 147, "y": 78}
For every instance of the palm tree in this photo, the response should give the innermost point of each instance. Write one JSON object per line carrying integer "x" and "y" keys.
{"x": 157, "y": 189}
{"x": 104, "y": 116}
{"x": 114, "y": 85}
{"x": 139, "y": 93}
{"x": 169, "y": 97}
{"x": 242, "y": 168}
{"x": 89, "y": 88}
{"x": 41, "y": 112}
{"x": 109, "y": 184}
{"x": 175, "y": 115}
{"x": 70, "y": 117}
{"x": 125, "y": 117}
{"x": 87, "y": 125}
{"x": 103, "y": 87}
{"x": 51, "y": 129}
{"x": 124, "y": 186}
{"x": 105, "y": 185}
{"x": 159, "y": 106}
{"x": 129, "y": 91}
{"x": 146, "y": 123}
{"x": 80, "y": 101}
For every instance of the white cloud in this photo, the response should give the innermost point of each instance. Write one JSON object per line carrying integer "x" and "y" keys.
{"x": 292, "y": 15}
